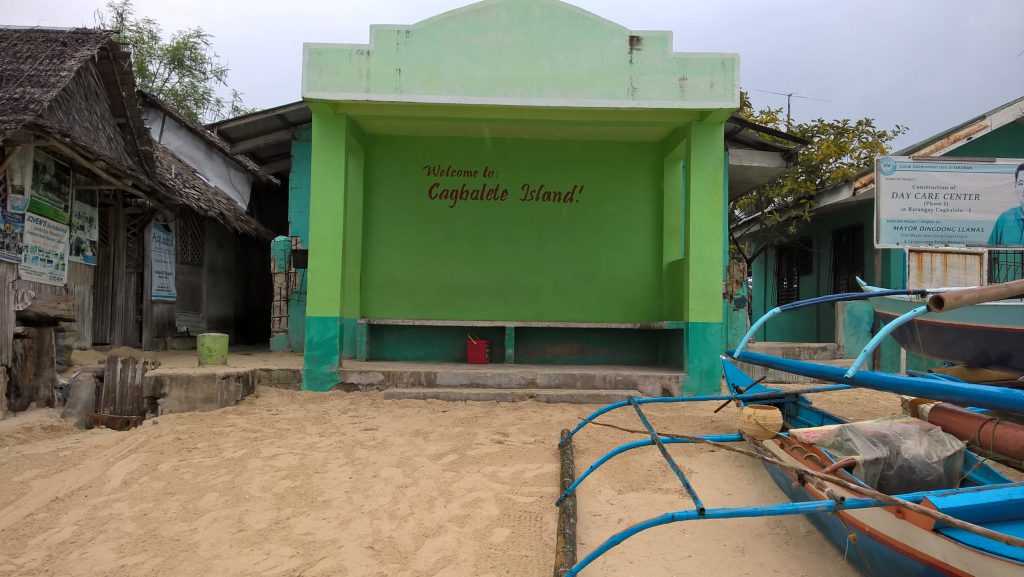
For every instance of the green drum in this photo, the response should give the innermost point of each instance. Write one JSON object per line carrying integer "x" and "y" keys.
{"x": 213, "y": 349}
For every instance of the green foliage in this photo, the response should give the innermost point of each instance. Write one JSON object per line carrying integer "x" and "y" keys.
{"x": 183, "y": 70}
{"x": 776, "y": 212}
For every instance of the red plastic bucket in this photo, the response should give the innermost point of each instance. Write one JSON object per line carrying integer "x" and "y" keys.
{"x": 478, "y": 351}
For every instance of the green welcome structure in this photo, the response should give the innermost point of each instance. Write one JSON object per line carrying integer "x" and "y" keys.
{"x": 524, "y": 172}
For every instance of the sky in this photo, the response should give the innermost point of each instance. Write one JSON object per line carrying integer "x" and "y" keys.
{"x": 925, "y": 64}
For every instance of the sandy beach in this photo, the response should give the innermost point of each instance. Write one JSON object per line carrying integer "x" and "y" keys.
{"x": 292, "y": 483}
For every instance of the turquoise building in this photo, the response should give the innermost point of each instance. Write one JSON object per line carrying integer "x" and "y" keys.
{"x": 837, "y": 246}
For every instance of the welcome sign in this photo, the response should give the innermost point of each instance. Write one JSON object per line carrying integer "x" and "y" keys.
{"x": 954, "y": 202}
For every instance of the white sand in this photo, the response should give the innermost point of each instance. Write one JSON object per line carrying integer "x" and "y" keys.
{"x": 294, "y": 483}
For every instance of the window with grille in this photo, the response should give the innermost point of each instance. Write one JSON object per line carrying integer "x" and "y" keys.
{"x": 792, "y": 261}
{"x": 847, "y": 258}
{"x": 191, "y": 241}
{"x": 1005, "y": 265}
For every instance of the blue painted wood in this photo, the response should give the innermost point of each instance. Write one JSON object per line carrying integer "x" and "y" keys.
{"x": 983, "y": 507}
{"x": 656, "y": 439}
{"x": 974, "y": 395}
{"x": 1014, "y": 528}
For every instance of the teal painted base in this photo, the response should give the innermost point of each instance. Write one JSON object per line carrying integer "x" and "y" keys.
{"x": 889, "y": 355}
{"x": 349, "y": 338}
{"x": 737, "y": 325}
{"x": 429, "y": 343}
{"x": 858, "y": 318}
{"x": 703, "y": 349}
{"x": 322, "y": 353}
{"x": 297, "y": 319}
{"x": 279, "y": 343}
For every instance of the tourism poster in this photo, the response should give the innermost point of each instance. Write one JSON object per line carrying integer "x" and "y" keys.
{"x": 85, "y": 232}
{"x": 948, "y": 202}
{"x": 45, "y": 251}
{"x": 51, "y": 188}
{"x": 19, "y": 179}
{"x": 12, "y": 227}
{"x": 161, "y": 259}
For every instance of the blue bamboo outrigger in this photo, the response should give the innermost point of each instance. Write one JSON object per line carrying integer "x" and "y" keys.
{"x": 975, "y": 528}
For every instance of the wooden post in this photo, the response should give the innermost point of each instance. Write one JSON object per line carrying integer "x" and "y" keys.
{"x": 147, "y": 281}
{"x": 118, "y": 242}
{"x": 33, "y": 370}
{"x": 565, "y": 538}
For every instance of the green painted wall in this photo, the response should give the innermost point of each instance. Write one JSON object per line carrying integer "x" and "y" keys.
{"x": 619, "y": 137}
{"x": 322, "y": 354}
{"x": 521, "y": 51}
{"x": 594, "y": 259}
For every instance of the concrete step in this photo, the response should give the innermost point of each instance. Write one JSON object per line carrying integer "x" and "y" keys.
{"x": 379, "y": 375}
{"x": 570, "y": 396}
{"x": 774, "y": 376}
{"x": 290, "y": 379}
{"x": 798, "y": 351}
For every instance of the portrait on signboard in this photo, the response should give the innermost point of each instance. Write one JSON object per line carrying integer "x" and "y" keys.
{"x": 51, "y": 188}
{"x": 1009, "y": 227}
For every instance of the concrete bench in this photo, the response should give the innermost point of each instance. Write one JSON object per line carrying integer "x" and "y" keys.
{"x": 509, "y": 327}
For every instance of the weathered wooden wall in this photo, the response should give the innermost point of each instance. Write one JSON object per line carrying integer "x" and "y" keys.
{"x": 102, "y": 312}
{"x": 79, "y": 285}
{"x": 8, "y": 274}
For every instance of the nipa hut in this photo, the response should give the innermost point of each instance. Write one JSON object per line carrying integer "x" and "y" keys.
{"x": 90, "y": 204}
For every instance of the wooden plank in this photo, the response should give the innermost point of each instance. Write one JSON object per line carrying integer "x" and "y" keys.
{"x": 148, "y": 320}
{"x": 138, "y": 405}
{"x": 48, "y": 309}
{"x": 109, "y": 380}
{"x": 9, "y": 159}
{"x": 8, "y": 274}
{"x": 23, "y": 368}
{"x": 81, "y": 278}
{"x": 123, "y": 382}
{"x": 118, "y": 240}
{"x": 104, "y": 293}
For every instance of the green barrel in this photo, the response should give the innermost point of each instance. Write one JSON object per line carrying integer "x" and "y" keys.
{"x": 213, "y": 349}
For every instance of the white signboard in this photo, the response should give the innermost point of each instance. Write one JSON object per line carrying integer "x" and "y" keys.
{"x": 161, "y": 260}
{"x": 948, "y": 202}
{"x": 45, "y": 256}
{"x": 85, "y": 233}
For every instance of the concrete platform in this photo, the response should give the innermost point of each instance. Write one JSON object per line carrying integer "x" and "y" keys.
{"x": 509, "y": 382}
{"x": 212, "y": 388}
{"x": 512, "y": 395}
{"x": 822, "y": 353}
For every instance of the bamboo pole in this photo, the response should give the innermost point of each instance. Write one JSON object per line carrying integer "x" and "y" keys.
{"x": 859, "y": 489}
{"x": 565, "y": 538}
{"x": 948, "y": 301}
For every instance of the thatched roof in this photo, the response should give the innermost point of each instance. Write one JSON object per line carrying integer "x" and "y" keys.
{"x": 183, "y": 186}
{"x": 77, "y": 85}
{"x": 211, "y": 138}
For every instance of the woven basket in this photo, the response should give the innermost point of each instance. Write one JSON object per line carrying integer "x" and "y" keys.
{"x": 761, "y": 422}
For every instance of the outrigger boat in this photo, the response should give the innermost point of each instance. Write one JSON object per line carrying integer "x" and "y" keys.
{"x": 891, "y": 508}
{"x": 988, "y": 335}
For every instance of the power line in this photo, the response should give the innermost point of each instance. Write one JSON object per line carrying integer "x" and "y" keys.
{"x": 788, "y": 102}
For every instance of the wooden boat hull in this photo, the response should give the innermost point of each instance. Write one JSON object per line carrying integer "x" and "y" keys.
{"x": 988, "y": 335}
{"x": 878, "y": 542}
